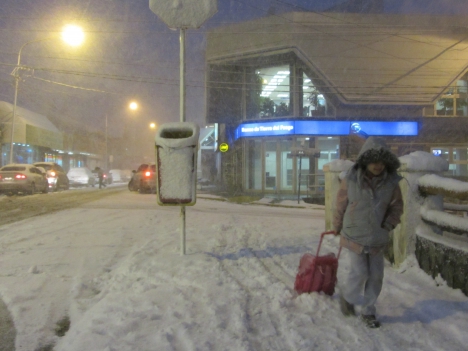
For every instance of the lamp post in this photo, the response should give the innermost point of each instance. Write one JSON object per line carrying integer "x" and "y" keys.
{"x": 134, "y": 107}
{"x": 72, "y": 35}
{"x": 107, "y": 156}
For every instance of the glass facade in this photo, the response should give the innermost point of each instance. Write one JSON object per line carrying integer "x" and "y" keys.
{"x": 455, "y": 100}
{"x": 22, "y": 153}
{"x": 457, "y": 157}
{"x": 275, "y": 94}
{"x": 271, "y": 167}
{"x": 254, "y": 165}
{"x": 314, "y": 103}
{"x": 286, "y": 165}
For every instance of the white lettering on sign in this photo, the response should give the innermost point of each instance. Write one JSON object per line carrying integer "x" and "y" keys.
{"x": 279, "y": 127}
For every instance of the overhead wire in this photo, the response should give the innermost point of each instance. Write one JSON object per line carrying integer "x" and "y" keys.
{"x": 155, "y": 80}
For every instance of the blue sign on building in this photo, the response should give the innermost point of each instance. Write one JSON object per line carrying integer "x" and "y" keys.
{"x": 366, "y": 128}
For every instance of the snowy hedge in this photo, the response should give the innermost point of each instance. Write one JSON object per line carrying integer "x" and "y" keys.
{"x": 431, "y": 184}
{"x": 440, "y": 255}
{"x": 447, "y": 254}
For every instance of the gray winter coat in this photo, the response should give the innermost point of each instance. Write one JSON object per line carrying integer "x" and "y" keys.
{"x": 367, "y": 209}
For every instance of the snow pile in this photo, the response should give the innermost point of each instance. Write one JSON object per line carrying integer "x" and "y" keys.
{"x": 424, "y": 161}
{"x": 435, "y": 181}
{"x": 443, "y": 219}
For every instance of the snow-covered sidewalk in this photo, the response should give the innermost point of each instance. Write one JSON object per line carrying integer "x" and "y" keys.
{"x": 118, "y": 273}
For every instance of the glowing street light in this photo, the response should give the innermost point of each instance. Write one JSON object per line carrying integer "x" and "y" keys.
{"x": 72, "y": 35}
{"x": 133, "y": 106}
{"x": 152, "y": 125}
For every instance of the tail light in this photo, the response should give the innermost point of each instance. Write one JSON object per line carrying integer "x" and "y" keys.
{"x": 147, "y": 173}
{"x": 104, "y": 176}
{"x": 20, "y": 176}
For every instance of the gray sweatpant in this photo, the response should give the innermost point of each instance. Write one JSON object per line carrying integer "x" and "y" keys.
{"x": 366, "y": 272}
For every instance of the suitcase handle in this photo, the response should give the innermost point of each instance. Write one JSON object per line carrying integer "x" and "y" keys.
{"x": 320, "y": 243}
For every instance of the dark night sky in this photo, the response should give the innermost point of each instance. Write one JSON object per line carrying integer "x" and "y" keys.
{"x": 129, "y": 54}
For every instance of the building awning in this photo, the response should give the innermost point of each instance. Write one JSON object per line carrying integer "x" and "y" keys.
{"x": 360, "y": 58}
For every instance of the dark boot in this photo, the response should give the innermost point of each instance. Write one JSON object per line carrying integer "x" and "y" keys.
{"x": 346, "y": 308}
{"x": 370, "y": 321}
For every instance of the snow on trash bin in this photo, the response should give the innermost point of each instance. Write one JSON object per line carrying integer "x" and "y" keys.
{"x": 176, "y": 161}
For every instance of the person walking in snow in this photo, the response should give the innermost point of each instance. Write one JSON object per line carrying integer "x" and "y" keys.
{"x": 100, "y": 174}
{"x": 368, "y": 206}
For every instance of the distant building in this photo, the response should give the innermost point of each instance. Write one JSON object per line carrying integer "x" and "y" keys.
{"x": 36, "y": 139}
{"x": 327, "y": 81}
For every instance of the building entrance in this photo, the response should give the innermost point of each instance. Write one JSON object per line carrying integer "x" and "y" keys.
{"x": 270, "y": 167}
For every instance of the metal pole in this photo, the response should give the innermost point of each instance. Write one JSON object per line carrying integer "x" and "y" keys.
{"x": 182, "y": 74}
{"x": 15, "y": 100}
{"x": 14, "y": 115}
{"x": 17, "y": 77}
{"x": 182, "y": 119}
{"x": 107, "y": 157}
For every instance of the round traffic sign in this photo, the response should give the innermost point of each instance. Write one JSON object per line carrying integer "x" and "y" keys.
{"x": 223, "y": 147}
{"x": 184, "y": 13}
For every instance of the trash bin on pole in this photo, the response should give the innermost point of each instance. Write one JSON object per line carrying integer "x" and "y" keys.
{"x": 176, "y": 162}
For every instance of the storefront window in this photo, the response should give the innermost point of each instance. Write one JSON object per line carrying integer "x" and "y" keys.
{"x": 457, "y": 157}
{"x": 329, "y": 150}
{"x": 274, "y": 99}
{"x": 445, "y": 107}
{"x": 314, "y": 103}
{"x": 462, "y": 107}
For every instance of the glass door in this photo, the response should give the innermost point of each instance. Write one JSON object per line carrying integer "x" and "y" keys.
{"x": 270, "y": 165}
{"x": 253, "y": 167}
{"x": 286, "y": 165}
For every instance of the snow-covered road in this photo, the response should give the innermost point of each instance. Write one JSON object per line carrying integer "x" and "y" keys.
{"x": 114, "y": 267}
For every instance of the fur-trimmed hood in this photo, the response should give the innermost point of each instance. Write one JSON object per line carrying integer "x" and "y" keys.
{"x": 374, "y": 150}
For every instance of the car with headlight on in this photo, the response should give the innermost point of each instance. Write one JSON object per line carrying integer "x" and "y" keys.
{"x": 143, "y": 179}
{"x": 56, "y": 175}
{"x": 22, "y": 178}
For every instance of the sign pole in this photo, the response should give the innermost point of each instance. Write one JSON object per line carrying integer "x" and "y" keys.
{"x": 183, "y": 14}
{"x": 182, "y": 119}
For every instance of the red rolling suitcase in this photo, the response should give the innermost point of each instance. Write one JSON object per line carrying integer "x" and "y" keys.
{"x": 317, "y": 273}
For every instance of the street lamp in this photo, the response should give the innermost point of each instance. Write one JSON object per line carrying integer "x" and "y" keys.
{"x": 152, "y": 125}
{"x": 133, "y": 106}
{"x": 72, "y": 35}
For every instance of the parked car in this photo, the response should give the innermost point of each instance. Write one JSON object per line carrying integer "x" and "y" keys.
{"x": 56, "y": 175}
{"x": 121, "y": 175}
{"x": 22, "y": 178}
{"x": 143, "y": 179}
{"x": 81, "y": 176}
